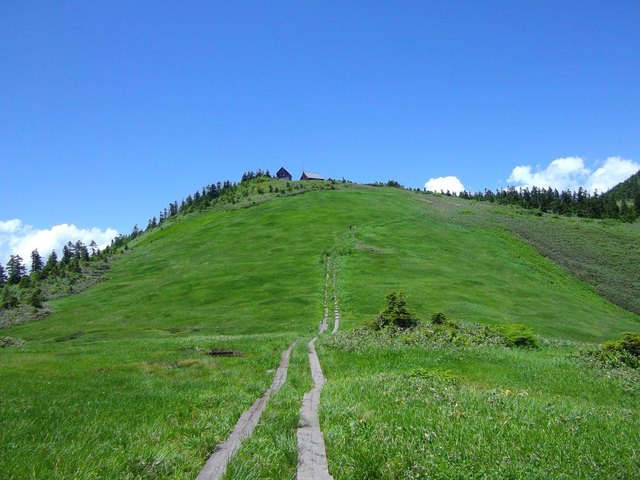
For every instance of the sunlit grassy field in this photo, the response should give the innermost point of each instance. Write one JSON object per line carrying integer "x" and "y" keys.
{"x": 419, "y": 411}
{"x": 424, "y": 246}
{"x": 605, "y": 253}
{"x": 116, "y": 382}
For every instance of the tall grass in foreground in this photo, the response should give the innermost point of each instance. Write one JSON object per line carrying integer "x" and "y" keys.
{"x": 474, "y": 412}
{"x": 128, "y": 408}
{"x": 272, "y": 450}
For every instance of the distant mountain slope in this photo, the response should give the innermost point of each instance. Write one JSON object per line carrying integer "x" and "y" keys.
{"x": 626, "y": 190}
{"x": 603, "y": 253}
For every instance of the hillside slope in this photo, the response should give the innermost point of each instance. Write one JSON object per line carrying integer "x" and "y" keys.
{"x": 627, "y": 190}
{"x": 117, "y": 383}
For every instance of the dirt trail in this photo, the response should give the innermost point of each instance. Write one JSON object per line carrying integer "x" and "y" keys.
{"x": 217, "y": 463}
{"x": 312, "y": 455}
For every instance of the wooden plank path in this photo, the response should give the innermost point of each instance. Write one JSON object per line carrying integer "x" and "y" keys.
{"x": 218, "y": 461}
{"x": 336, "y": 309}
{"x": 312, "y": 454}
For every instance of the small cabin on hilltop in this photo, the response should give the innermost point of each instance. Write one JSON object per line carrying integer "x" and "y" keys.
{"x": 283, "y": 174}
{"x": 311, "y": 176}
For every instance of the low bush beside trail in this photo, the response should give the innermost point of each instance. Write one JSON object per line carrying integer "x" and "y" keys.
{"x": 624, "y": 352}
{"x": 456, "y": 334}
{"x": 397, "y": 325}
{"x": 6, "y": 342}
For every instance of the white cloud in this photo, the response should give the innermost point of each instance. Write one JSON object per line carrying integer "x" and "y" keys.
{"x": 614, "y": 171}
{"x": 442, "y": 184}
{"x": 21, "y": 239}
{"x": 571, "y": 173}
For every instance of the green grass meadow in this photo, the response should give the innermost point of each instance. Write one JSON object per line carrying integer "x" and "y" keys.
{"x": 116, "y": 382}
{"x": 420, "y": 412}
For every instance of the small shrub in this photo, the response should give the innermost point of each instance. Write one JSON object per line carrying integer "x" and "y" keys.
{"x": 36, "y": 298}
{"x": 395, "y": 313}
{"x": 610, "y": 358}
{"x": 518, "y": 335}
{"x": 438, "y": 318}
{"x": 625, "y": 351}
{"x": 629, "y": 342}
{"x": 6, "y": 342}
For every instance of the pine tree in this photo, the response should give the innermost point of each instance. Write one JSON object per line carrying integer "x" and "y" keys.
{"x": 52, "y": 262}
{"x": 395, "y": 313}
{"x": 84, "y": 253}
{"x": 67, "y": 253}
{"x": 36, "y": 298}
{"x": 16, "y": 269}
{"x": 627, "y": 213}
{"x": 78, "y": 250}
{"x": 3, "y": 277}
{"x": 610, "y": 209}
{"x": 36, "y": 261}
{"x": 9, "y": 298}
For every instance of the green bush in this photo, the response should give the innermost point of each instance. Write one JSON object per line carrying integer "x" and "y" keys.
{"x": 438, "y": 318}
{"x": 518, "y": 335}
{"x": 395, "y": 314}
{"x": 629, "y": 342}
{"x": 624, "y": 352}
{"x": 6, "y": 342}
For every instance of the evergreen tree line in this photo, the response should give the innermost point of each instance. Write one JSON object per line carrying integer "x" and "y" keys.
{"x": 246, "y": 176}
{"x": 18, "y": 285}
{"x": 200, "y": 200}
{"x": 73, "y": 255}
{"x": 22, "y": 286}
{"x": 572, "y": 203}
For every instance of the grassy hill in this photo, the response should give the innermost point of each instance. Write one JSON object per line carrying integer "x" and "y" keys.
{"x": 117, "y": 382}
{"x": 627, "y": 190}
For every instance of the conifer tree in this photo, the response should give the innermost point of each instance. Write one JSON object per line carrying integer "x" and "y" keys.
{"x": 78, "y": 250}
{"x": 396, "y": 313}
{"x": 36, "y": 298}
{"x": 93, "y": 246}
{"x": 16, "y": 269}
{"x": 627, "y": 213}
{"x": 8, "y": 299}
{"x": 36, "y": 261}
{"x": 610, "y": 209}
{"x": 67, "y": 253}
{"x": 52, "y": 262}
{"x": 3, "y": 276}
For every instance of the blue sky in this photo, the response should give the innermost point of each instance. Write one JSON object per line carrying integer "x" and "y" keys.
{"x": 110, "y": 110}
